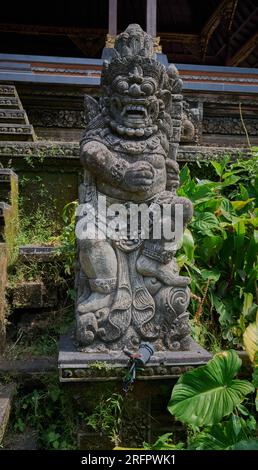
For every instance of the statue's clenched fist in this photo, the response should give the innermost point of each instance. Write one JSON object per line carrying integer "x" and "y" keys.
{"x": 138, "y": 175}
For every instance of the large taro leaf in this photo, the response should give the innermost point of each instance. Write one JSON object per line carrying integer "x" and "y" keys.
{"x": 205, "y": 395}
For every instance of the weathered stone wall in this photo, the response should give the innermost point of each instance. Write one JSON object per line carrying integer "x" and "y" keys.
{"x": 50, "y": 172}
{"x": 57, "y": 114}
{"x": 3, "y": 282}
{"x": 8, "y": 208}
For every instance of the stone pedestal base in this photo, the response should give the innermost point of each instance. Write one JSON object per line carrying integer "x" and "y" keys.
{"x": 76, "y": 366}
{"x": 96, "y": 378}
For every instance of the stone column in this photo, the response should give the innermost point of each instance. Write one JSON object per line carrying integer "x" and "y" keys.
{"x": 112, "y": 23}
{"x": 151, "y": 18}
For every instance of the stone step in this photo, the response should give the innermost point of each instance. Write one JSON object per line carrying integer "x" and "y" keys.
{"x": 14, "y": 123}
{"x": 37, "y": 253}
{"x": 6, "y": 395}
{"x": 13, "y": 116}
{"x": 34, "y": 295}
{"x": 25, "y": 366}
{"x": 9, "y": 102}
{"x": 16, "y": 132}
{"x": 7, "y": 90}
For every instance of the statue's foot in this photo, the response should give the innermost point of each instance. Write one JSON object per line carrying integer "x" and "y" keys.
{"x": 95, "y": 302}
{"x": 166, "y": 273}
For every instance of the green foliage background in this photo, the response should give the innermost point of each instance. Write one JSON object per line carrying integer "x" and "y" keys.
{"x": 220, "y": 250}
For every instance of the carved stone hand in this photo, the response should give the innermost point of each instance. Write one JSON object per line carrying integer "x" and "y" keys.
{"x": 139, "y": 176}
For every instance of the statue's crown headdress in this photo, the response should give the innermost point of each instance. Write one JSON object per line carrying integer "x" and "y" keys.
{"x": 134, "y": 42}
{"x": 132, "y": 47}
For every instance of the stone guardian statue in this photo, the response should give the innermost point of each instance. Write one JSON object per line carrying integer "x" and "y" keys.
{"x": 129, "y": 288}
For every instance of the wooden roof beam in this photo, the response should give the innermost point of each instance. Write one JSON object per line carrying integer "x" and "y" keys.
{"x": 224, "y": 11}
{"x": 180, "y": 37}
{"x": 242, "y": 25}
{"x": 86, "y": 46}
{"x": 49, "y": 30}
{"x": 244, "y": 52}
{"x": 79, "y": 35}
{"x": 75, "y": 31}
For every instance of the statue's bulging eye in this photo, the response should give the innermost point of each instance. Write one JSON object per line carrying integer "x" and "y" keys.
{"x": 122, "y": 86}
{"x": 147, "y": 88}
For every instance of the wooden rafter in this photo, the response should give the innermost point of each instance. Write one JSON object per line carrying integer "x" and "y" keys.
{"x": 79, "y": 35}
{"x": 190, "y": 42}
{"x": 49, "y": 30}
{"x": 238, "y": 30}
{"x": 74, "y": 31}
{"x": 244, "y": 52}
{"x": 180, "y": 37}
{"x": 224, "y": 11}
{"x": 85, "y": 45}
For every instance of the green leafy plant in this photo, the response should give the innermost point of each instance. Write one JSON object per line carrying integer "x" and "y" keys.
{"x": 39, "y": 336}
{"x": 165, "y": 442}
{"x": 209, "y": 401}
{"x": 205, "y": 395}
{"x": 220, "y": 247}
{"x": 235, "y": 433}
{"x": 106, "y": 417}
{"x": 49, "y": 410}
{"x": 35, "y": 229}
{"x": 67, "y": 237}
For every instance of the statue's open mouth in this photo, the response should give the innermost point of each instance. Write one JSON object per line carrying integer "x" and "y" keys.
{"x": 134, "y": 112}
{"x": 134, "y": 115}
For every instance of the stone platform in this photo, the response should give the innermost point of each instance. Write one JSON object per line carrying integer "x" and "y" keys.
{"x": 76, "y": 366}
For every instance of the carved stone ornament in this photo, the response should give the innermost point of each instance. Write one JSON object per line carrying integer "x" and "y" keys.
{"x": 129, "y": 288}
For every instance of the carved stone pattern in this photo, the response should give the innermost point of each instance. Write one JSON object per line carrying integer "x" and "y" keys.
{"x": 13, "y": 149}
{"x": 191, "y": 129}
{"x": 72, "y": 150}
{"x": 156, "y": 45}
{"x": 57, "y": 118}
{"x": 15, "y": 130}
{"x": 229, "y": 125}
{"x": 228, "y": 99}
{"x": 149, "y": 372}
{"x": 9, "y": 101}
{"x": 11, "y": 114}
{"x": 117, "y": 171}
{"x": 217, "y": 79}
{"x": 76, "y": 119}
{"x": 106, "y": 285}
{"x": 86, "y": 72}
{"x": 110, "y": 41}
{"x": 7, "y": 90}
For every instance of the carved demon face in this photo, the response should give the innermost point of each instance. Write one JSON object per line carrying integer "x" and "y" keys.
{"x": 133, "y": 103}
